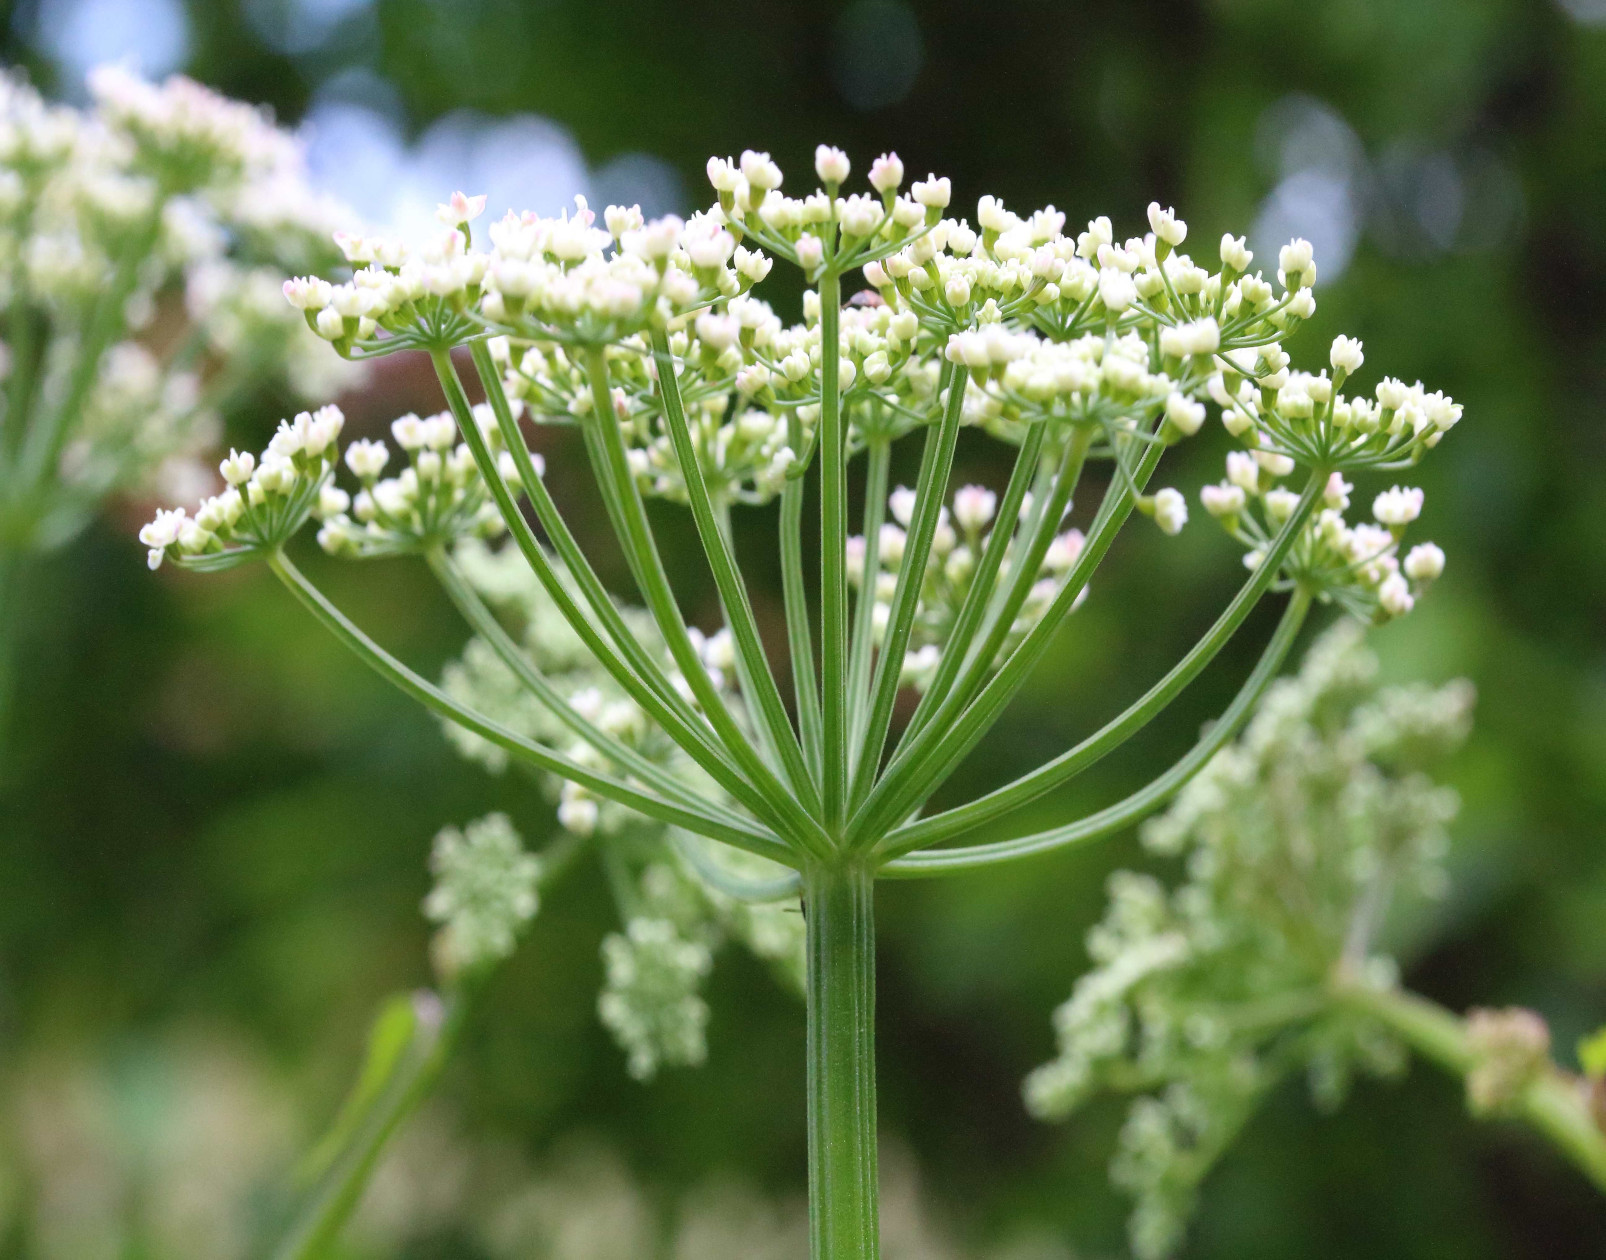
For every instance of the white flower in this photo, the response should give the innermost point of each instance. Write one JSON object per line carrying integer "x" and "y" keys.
{"x": 1280, "y": 505}
{"x": 992, "y": 215}
{"x": 957, "y": 291}
{"x": 1184, "y": 414}
{"x": 1167, "y": 227}
{"x": 367, "y": 459}
{"x": 1397, "y": 506}
{"x": 461, "y": 208}
{"x": 622, "y": 219}
{"x": 163, "y": 531}
{"x": 831, "y": 165}
{"x": 1295, "y": 257}
{"x": 308, "y": 293}
{"x": 1201, "y": 336}
{"x": 931, "y": 192}
{"x": 1063, "y": 551}
{"x": 1424, "y": 563}
{"x": 1394, "y": 596}
{"x": 332, "y": 500}
{"x": 1116, "y": 290}
{"x": 810, "y": 251}
{"x": 1346, "y": 355}
{"x": 974, "y": 507}
{"x": 1274, "y": 462}
{"x": 723, "y": 174}
{"x": 486, "y": 889}
{"x": 886, "y": 173}
{"x": 1223, "y": 500}
{"x": 752, "y": 264}
{"x": 1243, "y": 471}
{"x": 331, "y": 324}
{"x": 759, "y": 171}
{"x": 238, "y": 467}
{"x": 902, "y": 504}
{"x": 578, "y": 815}
{"x": 1235, "y": 253}
{"x": 1170, "y": 510}
{"x": 1391, "y": 394}
{"x": 1336, "y": 493}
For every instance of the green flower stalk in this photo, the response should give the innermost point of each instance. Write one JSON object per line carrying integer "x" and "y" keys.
{"x": 1264, "y": 963}
{"x": 1088, "y": 356}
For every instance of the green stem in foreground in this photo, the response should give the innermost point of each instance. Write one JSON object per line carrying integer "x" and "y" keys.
{"x": 1553, "y": 1103}
{"x": 843, "y": 1216}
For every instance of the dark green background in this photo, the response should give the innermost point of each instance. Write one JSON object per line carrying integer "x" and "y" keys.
{"x": 214, "y": 814}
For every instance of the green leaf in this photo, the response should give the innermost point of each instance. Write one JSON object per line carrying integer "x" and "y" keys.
{"x": 388, "y": 1040}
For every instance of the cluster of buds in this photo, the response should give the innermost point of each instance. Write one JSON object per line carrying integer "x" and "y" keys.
{"x": 140, "y": 238}
{"x": 543, "y": 279}
{"x": 487, "y": 888}
{"x": 1295, "y": 838}
{"x": 267, "y": 499}
{"x": 962, "y": 536}
{"x": 437, "y": 499}
{"x": 1126, "y": 340}
{"x": 1356, "y": 565}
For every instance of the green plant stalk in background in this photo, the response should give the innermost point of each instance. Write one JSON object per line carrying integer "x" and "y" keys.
{"x": 1555, "y": 1103}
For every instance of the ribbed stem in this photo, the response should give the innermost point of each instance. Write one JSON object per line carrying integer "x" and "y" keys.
{"x": 843, "y": 1221}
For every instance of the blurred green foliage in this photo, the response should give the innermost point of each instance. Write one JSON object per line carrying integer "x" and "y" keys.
{"x": 213, "y": 820}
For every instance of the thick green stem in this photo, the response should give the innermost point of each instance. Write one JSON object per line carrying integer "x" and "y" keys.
{"x": 843, "y": 1219}
{"x": 1554, "y": 1103}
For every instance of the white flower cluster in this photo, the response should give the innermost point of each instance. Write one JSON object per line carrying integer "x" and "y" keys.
{"x": 962, "y": 536}
{"x": 139, "y": 244}
{"x": 438, "y": 498}
{"x": 543, "y": 279}
{"x": 650, "y": 999}
{"x": 1202, "y": 998}
{"x": 266, "y": 500}
{"x": 486, "y": 890}
{"x": 1357, "y": 566}
{"x": 1132, "y": 338}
